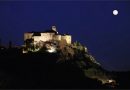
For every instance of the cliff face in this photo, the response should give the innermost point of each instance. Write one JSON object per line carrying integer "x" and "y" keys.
{"x": 70, "y": 66}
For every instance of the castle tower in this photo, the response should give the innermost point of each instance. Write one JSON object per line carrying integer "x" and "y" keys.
{"x": 54, "y": 29}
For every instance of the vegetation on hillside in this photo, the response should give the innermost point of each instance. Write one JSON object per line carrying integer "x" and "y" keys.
{"x": 78, "y": 54}
{"x": 68, "y": 66}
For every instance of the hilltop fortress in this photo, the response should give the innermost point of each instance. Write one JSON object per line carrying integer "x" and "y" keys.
{"x": 47, "y": 36}
{"x": 37, "y": 39}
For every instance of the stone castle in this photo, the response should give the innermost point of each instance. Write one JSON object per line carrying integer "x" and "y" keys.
{"x": 48, "y": 35}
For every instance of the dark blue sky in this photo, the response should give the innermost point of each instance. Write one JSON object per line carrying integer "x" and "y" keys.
{"x": 91, "y": 23}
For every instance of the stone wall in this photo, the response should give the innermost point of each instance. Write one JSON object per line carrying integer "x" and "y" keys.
{"x": 67, "y": 38}
{"x": 47, "y": 37}
{"x": 57, "y": 37}
{"x": 27, "y": 36}
{"x": 44, "y": 37}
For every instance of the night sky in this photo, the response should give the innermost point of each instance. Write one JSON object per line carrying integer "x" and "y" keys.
{"x": 91, "y": 23}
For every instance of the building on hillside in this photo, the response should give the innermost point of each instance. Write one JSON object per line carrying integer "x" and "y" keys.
{"x": 38, "y": 38}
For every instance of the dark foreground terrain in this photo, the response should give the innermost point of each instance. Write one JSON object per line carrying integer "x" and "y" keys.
{"x": 123, "y": 79}
{"x": 41, "y": 70}
{"x": 33, "y": 71}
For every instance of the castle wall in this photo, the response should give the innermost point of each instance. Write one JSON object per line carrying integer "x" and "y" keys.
{"x": 44, "y": 37}
{"x": 27, "y": 36}
{"x": 47, "y": 37}
{"x": 37, "y": 39}
{"x": 57, "y": 37}
{"x": 67, "y": 38}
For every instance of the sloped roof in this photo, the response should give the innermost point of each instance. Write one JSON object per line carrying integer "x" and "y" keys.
{"x": 39, "y": 33}
{"x": 36, "y": 34}
{"x": 49, "y": 31}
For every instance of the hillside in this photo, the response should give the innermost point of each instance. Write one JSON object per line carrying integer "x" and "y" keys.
{"x": 71, "y": 66}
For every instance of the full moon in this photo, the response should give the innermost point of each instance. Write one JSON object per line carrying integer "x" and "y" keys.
{"x": 115, "y": 12}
